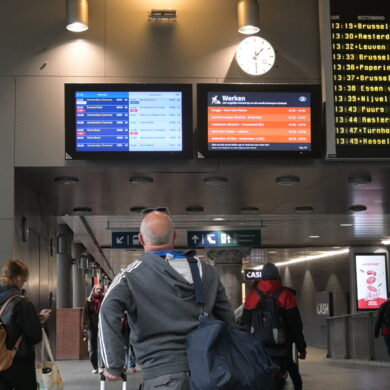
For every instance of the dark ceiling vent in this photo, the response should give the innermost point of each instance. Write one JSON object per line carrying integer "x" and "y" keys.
{"x": 288, "y": 180}
{"x": 66, "y": 180}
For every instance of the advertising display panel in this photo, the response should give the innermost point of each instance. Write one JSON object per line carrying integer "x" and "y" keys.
{"x": 371, "y": 280}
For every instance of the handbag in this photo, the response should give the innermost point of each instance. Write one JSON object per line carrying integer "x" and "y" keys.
{"x": 7, "y": 355}
{"x": 47, "y": 372}
{"x": 221, "y": 357}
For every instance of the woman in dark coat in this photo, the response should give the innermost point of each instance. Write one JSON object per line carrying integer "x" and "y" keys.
{"x": 90, "y": 320}
{"x": 20, "y": 318}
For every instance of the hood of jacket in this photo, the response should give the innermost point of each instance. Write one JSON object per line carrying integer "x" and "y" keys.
{"x": 7, "y": 292}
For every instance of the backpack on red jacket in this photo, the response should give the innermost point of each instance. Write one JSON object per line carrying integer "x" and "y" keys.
{"x": 7, "y": 355}
{"x": 267, "y": 319}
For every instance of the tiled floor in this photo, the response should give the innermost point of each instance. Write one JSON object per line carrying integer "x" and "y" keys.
{"x": 317, "y": 374}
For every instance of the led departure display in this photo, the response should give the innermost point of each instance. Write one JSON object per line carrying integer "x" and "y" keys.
{"x": 259, "y": 120}
{"x": 359, "y": 78}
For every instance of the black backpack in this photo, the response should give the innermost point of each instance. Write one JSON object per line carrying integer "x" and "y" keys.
{"x": 267, "y": 319}
{"x": 386, "y": 316}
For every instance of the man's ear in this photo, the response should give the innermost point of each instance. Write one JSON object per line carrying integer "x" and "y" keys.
{"x": 174, "y": 235}
{"x": 141, "y": 239}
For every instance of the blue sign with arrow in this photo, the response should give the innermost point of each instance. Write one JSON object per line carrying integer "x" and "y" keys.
{"x": 228, "y": 238}
{"x": 125, "y": 240}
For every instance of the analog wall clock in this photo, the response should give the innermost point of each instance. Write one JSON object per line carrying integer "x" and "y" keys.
{"x": 255, "y": 56}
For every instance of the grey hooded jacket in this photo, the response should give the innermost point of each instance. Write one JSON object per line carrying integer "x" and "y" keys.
{"x": 161, "y": 309}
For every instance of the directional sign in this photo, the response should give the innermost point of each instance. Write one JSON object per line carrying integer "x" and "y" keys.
{"x": 227, "y": 238}
{"x": 252, "y": 274}
{"x": 125, "y": 240}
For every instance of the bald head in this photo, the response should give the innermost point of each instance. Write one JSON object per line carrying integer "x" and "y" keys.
{"x": 157, "y": 232}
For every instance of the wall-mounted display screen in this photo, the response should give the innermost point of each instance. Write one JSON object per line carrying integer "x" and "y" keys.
{"x": 259, "y": 120}
{"x": 371, "y": 280}
{"x": 355, "y": 38}
{"x": 128, "y": 121}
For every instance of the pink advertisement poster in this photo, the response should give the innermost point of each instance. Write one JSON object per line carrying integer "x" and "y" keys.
{"x": 371, "y": 280}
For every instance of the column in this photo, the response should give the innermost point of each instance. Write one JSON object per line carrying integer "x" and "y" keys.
{"x": 229, "y": 265}
{"x": 78, "y": 284}
{"x": 64, "y": 267}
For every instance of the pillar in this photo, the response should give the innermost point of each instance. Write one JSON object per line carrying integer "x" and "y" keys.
{"x": 78, "y": 280}
{"x": 229, "y": 265}
{"x": 64, "y": 267}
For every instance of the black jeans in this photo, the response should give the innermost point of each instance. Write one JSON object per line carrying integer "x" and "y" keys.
{"x": 280, "y": 378}
{"x": 93, "y": 347}
{"x": 386, "y": 337}
{"x": 293, "y": 371}
{"x": 20, "y": 376}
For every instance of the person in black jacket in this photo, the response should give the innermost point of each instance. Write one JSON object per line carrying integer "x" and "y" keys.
{"x": 20, "y": 318}
{"x": 90, "y": 320}
{"x": 382, "y": 325}
{"x": 269, "y": 284}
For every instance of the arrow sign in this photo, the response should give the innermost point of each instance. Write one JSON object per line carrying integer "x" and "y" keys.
{"x": 125, "y": 240}
{"x": 195, "y": 239}
{"x": 221, "y": 239}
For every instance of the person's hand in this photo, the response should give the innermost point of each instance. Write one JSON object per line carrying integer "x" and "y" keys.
{"x": 110, "y": 377}
{"x": 302, "y": 355}
{"x": 45, "y": 314}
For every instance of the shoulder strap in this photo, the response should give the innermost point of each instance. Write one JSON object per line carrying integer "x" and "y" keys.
{"x": 278, "y": 292}
{"x": 5, "y": 304}
{"x": 198, "y": 286}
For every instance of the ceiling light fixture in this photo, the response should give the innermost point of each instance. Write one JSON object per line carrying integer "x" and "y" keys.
{"x": 194, "y": 209}
{"x": 215, "y": 180}
{"x": 313, "y": 257}
{"x": 314, "y": 236}
{"x": 218, "y": 219}
{"x": 248, "y": 16}
{"x": 304, "y": 209}
{"x": 249, "y": 209}
{"x": 346, "y": 224}
{"x": 358, "y": 208}
{"x": 386, "y": 241}
{"x": 82, "y": 210}
{"x": 287, "y": 180}
{"x": 66, "y": 180}
{"x": 137, "y": 209}
{"x": 141, "y": 180}
{"x": 77, "y": 15}
{"x": 359, "y": 180}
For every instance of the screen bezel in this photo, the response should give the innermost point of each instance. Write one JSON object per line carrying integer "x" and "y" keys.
{"x": 70, "y": 121}
{"x": 384, "y": 255}
{"x": 316, "y": 120}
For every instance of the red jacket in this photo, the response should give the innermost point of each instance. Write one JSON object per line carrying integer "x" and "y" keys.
{"x": 286, "y": 300}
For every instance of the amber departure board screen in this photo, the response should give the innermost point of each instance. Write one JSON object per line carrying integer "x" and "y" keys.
{"x": 356, "y": 72}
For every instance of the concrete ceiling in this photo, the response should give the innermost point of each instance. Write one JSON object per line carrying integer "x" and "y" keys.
{"x": 285, "y": 230}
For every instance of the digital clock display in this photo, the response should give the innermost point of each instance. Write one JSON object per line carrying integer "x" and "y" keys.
{"x": 358, "y": 83}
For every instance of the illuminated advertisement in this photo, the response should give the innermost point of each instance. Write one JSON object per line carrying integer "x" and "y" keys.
{"x": 371, "y": 280}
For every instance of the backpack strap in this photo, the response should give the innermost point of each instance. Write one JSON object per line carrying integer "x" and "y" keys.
{"x": 200, "y": 296}
{"x": 274, "y": 294}
{"x": 3, "y": 307}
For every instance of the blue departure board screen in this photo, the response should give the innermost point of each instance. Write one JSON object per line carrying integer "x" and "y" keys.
{"x": 135, "y": 120}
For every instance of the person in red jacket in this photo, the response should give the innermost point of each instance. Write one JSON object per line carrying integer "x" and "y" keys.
{"x": 269, "y": 284}
{"x": 382, "y": 322}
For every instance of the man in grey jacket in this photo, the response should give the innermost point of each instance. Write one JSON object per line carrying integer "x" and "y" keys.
{"x": 158, "y": 295}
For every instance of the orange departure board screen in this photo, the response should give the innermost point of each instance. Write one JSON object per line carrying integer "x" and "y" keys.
{"x": 258, "y": 119}
{"x": 356, "y": 59}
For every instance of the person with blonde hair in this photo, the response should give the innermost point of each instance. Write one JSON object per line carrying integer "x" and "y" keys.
{"x": 90, "y": 319}
{"x": 21, "y": 320}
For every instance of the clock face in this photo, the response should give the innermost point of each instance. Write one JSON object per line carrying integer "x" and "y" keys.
{"x": 255, "y": 56}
